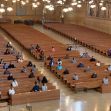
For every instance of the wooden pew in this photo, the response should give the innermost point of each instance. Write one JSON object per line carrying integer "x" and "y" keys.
{"x": 24, "y": 98}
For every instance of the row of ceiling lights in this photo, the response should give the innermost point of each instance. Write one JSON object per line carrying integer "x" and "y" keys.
{"x": 102, "y": 4}
{"x": 50, "y": 6}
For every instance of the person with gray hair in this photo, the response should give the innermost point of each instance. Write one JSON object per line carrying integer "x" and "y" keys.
{"x": 75, "y": 77}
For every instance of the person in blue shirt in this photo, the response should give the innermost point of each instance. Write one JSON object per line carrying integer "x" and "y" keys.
{"x": 5, "y": 66}
{"x": 59, "y": 67}
{"x": 80, "y": 65}
{"x": 36, "y": 87}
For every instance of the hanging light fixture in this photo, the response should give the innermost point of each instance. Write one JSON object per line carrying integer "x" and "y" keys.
{"x": 70, "y": 8}
{"x": 2, "y": 5}
{"x": 13, "y": 1}
{"x": 74, "y": 3}
{"x": 2, "y": 10}
{"x": 9, "y": 9}
{"x": 23, "y": 3}
{"x": 92, "y": 6}
{"x": 103, "y": 8}
{"x": 100, "y": 3}
{"x": 79, "y": 5}
{"x": 65, "y": 10}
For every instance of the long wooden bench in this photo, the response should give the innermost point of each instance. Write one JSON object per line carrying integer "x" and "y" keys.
{"x": 24, "y": 85}
{"x": 24, "y": 98}
{"x": 86, "y": 39}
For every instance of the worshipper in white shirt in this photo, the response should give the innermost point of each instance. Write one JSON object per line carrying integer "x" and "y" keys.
{"x": 11, "y": 91}
{"x": 44, "y": 87}
{"x": 106, "y": 81}
{"x": 98, "y": 63}
{"x": 84, "y": 55}
{"x": 24, "y": 69}
{"x": 74, "y": 61}
{"x": 109, "y": 68}
{"x": 1, "y": 61}
{"x": 14, "y": 83}
{"x": 75, "y": 77}
{"x": 19, "y": 57}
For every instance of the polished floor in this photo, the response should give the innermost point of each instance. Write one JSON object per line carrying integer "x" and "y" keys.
{"x": 69, "y": 100}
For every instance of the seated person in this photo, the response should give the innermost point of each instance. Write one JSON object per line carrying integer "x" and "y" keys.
{"x": 109, "y": 52}
{"x": 38, "y": 49}
{"x": 11, "y": 65}
{"x": 106, "y": 80}
{"x": 66, "y": 71}
{"x": 1, "y": 61}
{"x": 41, "y": 55}
{"x": 29, "y": 64}
{"x": 24, "y": 69}
{"x": 32, "y": 48}
{"x": 31, "y": 75}
{"x": 109, "y": 68}
{"x": 10, "y": 77}
{"x": 44, "y": 87}
{"x": 6, "y": 71}
{"x": 75, "y": 77}
{"x": 37, "y": 46}
{"x": 74, "y": 61}
{"x": 94, "y": 75}
{"x": 33, "y": 69}
{"x": 14, "y": 83}
{"x": 53, "y": 49}
{"x": 69, "y": 48}
{"x": 36, "y": 87}
{"x": 12, "y": 51}
{"x": 44, "y": 80}
{"x": 84, "y": 55}
{"x": 11, "y": 91}
{"x": 51, "y": 64}
{"x": 50, "y": 57}
{"x": 9, "y": 45}
{"x": 7, "y": 51}
{"x": 59, "y": 61}
{"x": 19, "y": 56}
{"x": 20, "y": 60}
{"x": 92, "y": 59}
{"x": 5, "y": 66}
{"x": 80, "y": 65}
{"x": 59, "y": 67}
{"x": 39, "y": 79}
{"x": 98, "y": 63}
{"x": 87, "y": 69}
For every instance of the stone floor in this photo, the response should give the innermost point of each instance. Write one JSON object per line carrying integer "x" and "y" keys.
{"x": 69, "y": 101}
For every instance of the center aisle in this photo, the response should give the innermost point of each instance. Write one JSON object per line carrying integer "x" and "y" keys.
{"x": 82, "y": 101}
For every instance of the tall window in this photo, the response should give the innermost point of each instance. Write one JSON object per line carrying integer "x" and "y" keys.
{"x": 99, "y": 11}
{"x": 20, "y": 10}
